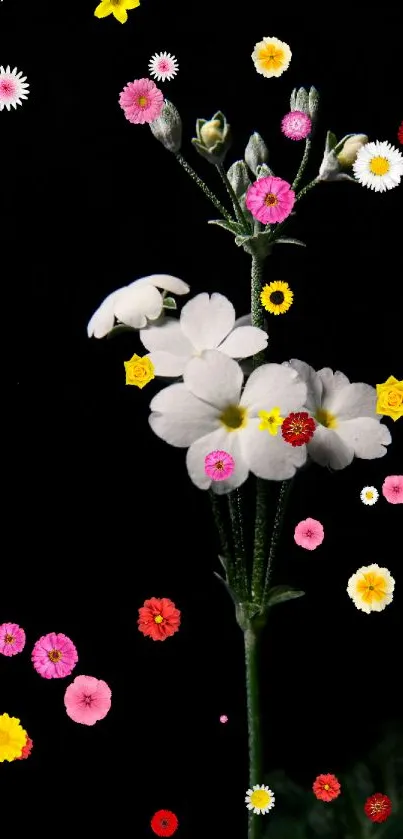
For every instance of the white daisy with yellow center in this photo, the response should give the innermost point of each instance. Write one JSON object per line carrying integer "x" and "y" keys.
{"x": 371, "y": 588}
{"x": 369, "y": 495}
{"x": 378, "y": 166}
{"x": 259, "y": 799}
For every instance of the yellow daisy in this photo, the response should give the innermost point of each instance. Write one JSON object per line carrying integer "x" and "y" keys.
{"x": 117, "y": 8}
{"x": 271, "y": 57}
{"x": 12, "y": 738}
{"x": 277, "y": 297}
{"x": 259, "y": 799}
{"x": 371, "y": 588}
{"x": 139, "y": 371}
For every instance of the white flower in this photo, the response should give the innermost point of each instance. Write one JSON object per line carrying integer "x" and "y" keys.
{"x": 379, "y": 166}
{"x": 134, "y": 304}
{"x": 206, "y": 323}
{"x": 347, "y": 422}
{"x": 163, "y": 66}
{"x": 13, "y": 88}
{"x": 260, "y": 799}
{"x": 369, "y": 495}
{"x": 371, "y": 588}
{"x": 208, "y": 412}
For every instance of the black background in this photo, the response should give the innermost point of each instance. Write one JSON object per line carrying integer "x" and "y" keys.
{"x": 99, "y": 514}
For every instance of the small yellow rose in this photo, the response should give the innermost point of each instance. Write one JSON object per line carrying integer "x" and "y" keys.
{"x": 390, "y": 398}
{"x": 139, "y": 371}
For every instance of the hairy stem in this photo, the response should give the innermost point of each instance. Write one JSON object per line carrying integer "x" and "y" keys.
{"x": 304, "y": 161}
{"x": 208, "y": 193}
{"x": 235, "y": 203}
{"x": 236, "y": 515}
{"x": 276, "y": 532}
{"x": 254, "y": 732}
{"x": 260, "y": 541}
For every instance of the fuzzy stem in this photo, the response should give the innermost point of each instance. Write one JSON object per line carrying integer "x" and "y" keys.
{"x": 235, "y": 512}
{"x": 306, "y": 189}
{"x": 208, "y": 193}
{"x": 219, "y": 523}
{"x": 260, "y": 541}
{"x": 254, "y": 732}
{"x": 235, "y": 203}
{"x": 303, "y": 164}
{"x": 276, "y": 532}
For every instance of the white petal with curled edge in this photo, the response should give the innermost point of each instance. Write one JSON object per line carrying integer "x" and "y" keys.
{"x": 135, "y": 304}
{"x": 165, "y": 281}
{"x": 313, "y": 382}
{"x": 366, "y": 436}
{"x": 215, "y": 378}
{"x": 103, "y": 319}
{"x": 274, "y": 386}
{"x": 180, "y": 418}
{"x": 269, "y": 456}
{"x": 224, "y": 441}
{"x": 244, "y": 341}
{"x": 168, "y": 337}
{"x": 206, "y": 321}
{"x": 332, "y": 384}
{"x": 167, "y": 364}
{"x": 328, "y": 449}
{"x": 353, "y": 400}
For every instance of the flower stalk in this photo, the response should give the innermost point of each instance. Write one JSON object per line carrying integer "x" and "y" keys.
{"x": 235, "y": 203}
{"x": 276, "y": 533}
{"x": 303, "y": 165}
{"x": 204, "y": 188}
{"x": 251, "y": 642}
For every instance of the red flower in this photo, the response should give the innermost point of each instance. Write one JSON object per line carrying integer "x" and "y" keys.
{"x": 27, "y": 749}
{"x": 164, "y": 823}
{"x": 400, "y": 133}
{"x": 326, "y": 787}
{"x": 159, "y": 619}
{"x": 378, "y": 807}
{"x": 298, "y": 429}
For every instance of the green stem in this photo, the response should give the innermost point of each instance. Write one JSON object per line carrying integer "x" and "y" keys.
{"x": 306, "y": 189}
{"x": 256, "y": 304}
{"x": 276, "y": 532}
{"x": 235, "y": 203}
{"x": 235, "y": 512}
{"x": 254, "y": 733}
{"x": 208, "y": 193}
{"x": 304, "y": 161}
{"x": 260, "y": 541}
{"x": 219, "y": 523}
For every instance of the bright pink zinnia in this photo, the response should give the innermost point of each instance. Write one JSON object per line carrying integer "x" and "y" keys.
{"x": 12, "y": 639}
{"x": 270, "y": 200}
{"x": 87, "y": 700}
{"x": 54, "y": 656}
{"x": 309, "y": 534}
{"x": 392, "y": 489}
{"x": 296, "y": 125}
{"x": 142, "y": 101}
{"x": 219, "y": 465}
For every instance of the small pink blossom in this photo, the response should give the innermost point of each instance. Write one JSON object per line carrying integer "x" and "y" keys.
{"x": 142, "y": 101}
{"x": 392, "y": 489}
{"x": 296, "y": 125}
{"x": 223, "y": 718}
{"x": 219, "y": 465}
{"x": 54, "y": 656}
{"x": 309, "y": 534}
{"x": 12, "y": 639}
{"x": 87, "y": 700}
{"x": 270, "y": 200}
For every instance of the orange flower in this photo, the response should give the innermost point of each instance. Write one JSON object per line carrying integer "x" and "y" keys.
{"x": 326, "y": 787}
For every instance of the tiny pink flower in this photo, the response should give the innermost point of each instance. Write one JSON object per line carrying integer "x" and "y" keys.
{"x": 270, "y": 200}
{"x": 309, "y": 534}
{"x": 219, "y": 465}
{"x": 142, "y": 101}
{"x": 12, "y": 639}
{"x": 87, "y": 700}
{"x": 392, "y": 489}
{"x": 223, "y": 718}
{"x": 54, "y": 656}
{"x": 296, "y": 125}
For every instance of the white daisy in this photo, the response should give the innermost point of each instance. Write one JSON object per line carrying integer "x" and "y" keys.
{"x": 163, "y": 66}
{"x": 206, "y": 323}
{"x": 347, "y": 423}
{"x": 371, "y": 588}
{"x": 369, "y": 495}
{"x": 13, "y": 88}
{"x": 134, "y": 304}
{"x": 209, "y": 412}
{"x": 378, "y": 166}
{"x": 260, "y": 799}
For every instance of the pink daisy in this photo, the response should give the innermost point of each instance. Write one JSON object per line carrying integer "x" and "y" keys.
{"x": 12, "y": 639}
{"x": 219, "y": 465}
{"x": 87, "y": 700}
{"x": 296, "y": 125}
{"x": 309, "y": 534}
{"x": 392, "y": 489}
{"x": 142, "y": 101}
{"x": 223, "y": 718}
{"x": 270, "y": 200}
{"x": 54, "y": 656}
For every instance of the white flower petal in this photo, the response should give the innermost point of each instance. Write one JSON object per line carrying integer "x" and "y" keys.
{"x": 103, "y": 319}
{"x": 365, "y": 436}
{"x": 164, "y": 281}
{"x": 244, "y": 341}
{"x": 269, "y": 456}
{"x": 223, "y": 441}
{"x": 168, "y": 337}
{"x": 136, "y": 303}
{"x": 274, "y": 386}
{"x": 245, "y": 320}
{"x": 313, "y": 382}
{"x": 180, "y": 418}
{"x": 167, "y": 364}
{"x": 332, "y": 383}
{"x": 351, "y": 401}
{"x": 328, "y": 449}
{"x": 215, "y": 378}
{"x": 207, "y": 320}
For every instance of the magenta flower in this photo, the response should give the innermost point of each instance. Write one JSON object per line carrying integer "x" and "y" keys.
{"x": 54, "y": 656}
{"x": 12, "y": 639}
{"x": 219, "y": 465}
{"x": 309, "y": 534}
{"x": 392, "y": 489}
{"x": 87, "y": 700}
{"x": 296, "y": 125}
{"x": 142, "y": 101}
{"x": 270, "y": 200}
{"x": 223, "y": 718}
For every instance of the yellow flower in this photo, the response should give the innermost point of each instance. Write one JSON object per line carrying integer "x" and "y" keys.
{"x": 117, "y": 8}
{"x": 139, "y": 371}
{"x": 277, "y": 297}
{"x": 371, "y": 588}
{"x": 270, "y": 421}
{"x": 271, "y": 57}
{"x": 12, "y": 738}
{"x": 390, "y": 398}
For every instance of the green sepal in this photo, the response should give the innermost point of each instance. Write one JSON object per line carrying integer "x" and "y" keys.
{"x": 199, "y": 125}
{"x": 259, "y": 245}
{"x": 169, "y": 303}
{"x": 232, "y": 226}
{"x": 280, "y": 594}
{"x": 215, "y": 154}
{"x": 227, "y": 588}
{"x": 331, "y": 142}
{"x": 120, "y": 329}
{"x": 290, "y": 242}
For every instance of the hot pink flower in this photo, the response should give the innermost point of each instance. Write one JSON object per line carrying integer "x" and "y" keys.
{"x": 392, "y": 489}
{"x": 270, "y": 200}
{"x": 296, "y": 125}
{"x": 12, "y": 639}
{"x": 309, "y": 534}
{"x": 54, "y": 656}
{"x": 87, "y": 700}
{"x": 142, "y": 101}
{"x": 219, "y": 465}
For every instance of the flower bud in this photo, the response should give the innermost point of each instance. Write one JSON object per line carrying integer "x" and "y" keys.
{"x": 301, "y": 100}
{"x": 263, "y": 171}
{"x": 331, "y": 167}
{"x": 256, "y": 152}
{"x": 238, "y": 177}
{"x": 313, "y": 103}
{"x": 351, "y": 147}
{"x": 167, "y": 128}
{"x": 213, "y": 138}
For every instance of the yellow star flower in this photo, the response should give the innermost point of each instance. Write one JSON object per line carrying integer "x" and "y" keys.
{"x": 390, "y": 398}
{"x": 139, "y": 371}
{"x": 270, "y": 421}
{"x": 117, "y": 8}
{"x": 12, "y": 738}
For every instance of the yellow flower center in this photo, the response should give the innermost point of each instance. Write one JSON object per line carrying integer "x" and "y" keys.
{"x": 327, "y": 786}
{"x": 271, "y": 56}
{"x": 4, "y": 738}
{"x": 260, "y": 798}
{"x": 372, "y": 587}
{"x": 369, "y": 495}
{"x": 234, "y": 417}
{"x": 142, "y": 101}
{"x": 379, "y": 165}
{"x": 270, "y": 200}
{"x": 55, "y": 656}
{"x": 394, "y": 398}
{"x": 271, "y": 421}
{"x": 325, "y": 418}
{"x": 158, "y": 619}
{"x": 9, "y": 639}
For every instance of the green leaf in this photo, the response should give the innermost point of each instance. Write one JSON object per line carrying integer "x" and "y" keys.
{"x": 233, "y": 226}
{"x": 279, "y": 594}
{"x": 120, "y": 329}
{"x": 227, "y": 587}
{"x": 290, "y": 242}
{"x": 258, "y": 245}
{"x": 169, "y": 303}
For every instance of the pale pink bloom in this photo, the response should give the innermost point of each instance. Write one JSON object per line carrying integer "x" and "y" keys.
{"x": 223, "y": 718}
{"x": 219, "y": 465}
{"x": 87, "y": 700}
{"x": 142, "y": 101}
{"x": 54, "y": 656}
{"x": 296, "y": 125}
{"x": 270, "y": 200}
{"x": 309, "y": 534}
{"x": 392, "y": 489}
{"x": 12, "y": 639}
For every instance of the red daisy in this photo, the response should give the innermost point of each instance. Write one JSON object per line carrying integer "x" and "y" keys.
{"x": 159, "y": 618}
{"x": 298, "y": 429}
{"x": 164, "y": 823}
{"x": 326, "y": 787}
{"x": 378, "y": 807}
{"x": 400, "y": 133}
{"x": 27, "y": 749}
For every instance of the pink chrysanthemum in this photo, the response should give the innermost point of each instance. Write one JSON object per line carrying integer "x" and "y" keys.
{"x": 219, "y": 465}
{"x": 87, "y": 700}
{"x": 54, "y": 656}
{"x": 270, "y": 200}
{"x": 309, "y": 534}
{"x": 392, "y": 489}
{"x": 142, "y": 101}
{"x": 27, "y": 749}
{"x": 296, "y": 125}
{"x": 12, "y": 639}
